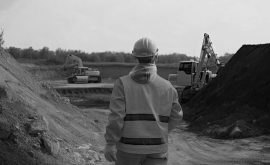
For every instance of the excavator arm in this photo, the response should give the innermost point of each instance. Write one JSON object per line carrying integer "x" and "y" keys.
{"x": 72, "y": 61}
{"x": 208, "y": 61}
{"x": 208, "y": 64}
{"x": 212, "y": 62}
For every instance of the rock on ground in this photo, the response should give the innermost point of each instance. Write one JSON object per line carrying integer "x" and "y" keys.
{"x": 52, "y": 146}
{"x": 39, "y": 125}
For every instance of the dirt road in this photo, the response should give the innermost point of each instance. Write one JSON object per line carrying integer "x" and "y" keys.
{"x": 186, "y": 148}
{"x": 189, "y": 149}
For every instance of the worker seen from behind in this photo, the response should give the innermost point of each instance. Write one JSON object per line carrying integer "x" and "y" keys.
{"x": 144, "y": 109}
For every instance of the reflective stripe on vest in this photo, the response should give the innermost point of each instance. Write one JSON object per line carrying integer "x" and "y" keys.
{"x": 146, "y": 117}
{"x": 142, "y": 141}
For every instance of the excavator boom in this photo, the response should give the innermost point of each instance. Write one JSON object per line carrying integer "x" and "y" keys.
{"x": 72, "y": 62}
{"x": 204, "y": 71}
{"x": 208, "y": 59}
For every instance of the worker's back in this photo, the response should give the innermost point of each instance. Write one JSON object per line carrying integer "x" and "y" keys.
{"x": 149, "y": 100}
{"x": 144, "y": 109}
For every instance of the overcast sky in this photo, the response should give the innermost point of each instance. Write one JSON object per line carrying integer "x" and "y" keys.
{"x": 114, "y": 25}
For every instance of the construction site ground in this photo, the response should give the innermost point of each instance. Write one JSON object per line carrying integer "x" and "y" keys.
{"x": 39, "y": 126}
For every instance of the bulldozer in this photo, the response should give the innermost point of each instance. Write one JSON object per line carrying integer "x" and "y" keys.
{"x": 80, "y": 74}
{"x": 194, "y": 75}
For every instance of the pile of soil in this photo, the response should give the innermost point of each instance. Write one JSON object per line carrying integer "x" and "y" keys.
{"x": 37, "y": 126}
{"x": 238, "y": 99}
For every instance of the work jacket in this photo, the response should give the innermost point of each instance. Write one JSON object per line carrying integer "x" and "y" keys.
{"x": 144, "y": 108}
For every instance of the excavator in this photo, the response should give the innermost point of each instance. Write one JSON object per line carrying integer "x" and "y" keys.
{"x": 80, "y": 74}
{"x": 192, "y": 75}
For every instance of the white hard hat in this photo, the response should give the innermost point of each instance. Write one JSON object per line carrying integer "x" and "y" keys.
{"x": 144, "y": 47}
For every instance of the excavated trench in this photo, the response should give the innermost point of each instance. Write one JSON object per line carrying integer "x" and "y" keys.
{"x": 85, "y": 95}
{"x": 218, "y": 113}
{"x": 79, "y": 131}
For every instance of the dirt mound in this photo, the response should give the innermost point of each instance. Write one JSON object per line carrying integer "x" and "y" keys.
{"x": 38, "y": 127}
{"x": 241, "y": 92}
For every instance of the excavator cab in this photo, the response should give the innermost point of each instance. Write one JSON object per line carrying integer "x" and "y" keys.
{"x": 189, "y": 67}
{"x": 186, "y": 72}
{"x": 80, "y": 71}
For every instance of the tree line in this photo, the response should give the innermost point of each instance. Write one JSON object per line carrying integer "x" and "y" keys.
{"x": 59, "y": 55}
{"x": 225, "y": 58}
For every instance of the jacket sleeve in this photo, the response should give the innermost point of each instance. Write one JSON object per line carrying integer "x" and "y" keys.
{"x": 116, "y": 117}
{"x": 176, "y": 112}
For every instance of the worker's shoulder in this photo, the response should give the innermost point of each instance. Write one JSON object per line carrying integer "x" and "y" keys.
{"x": 123, "y": 78}
{"x": 164, "y": 82}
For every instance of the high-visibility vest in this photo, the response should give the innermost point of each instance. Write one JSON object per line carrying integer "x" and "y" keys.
{"x": 148, "y": 107}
